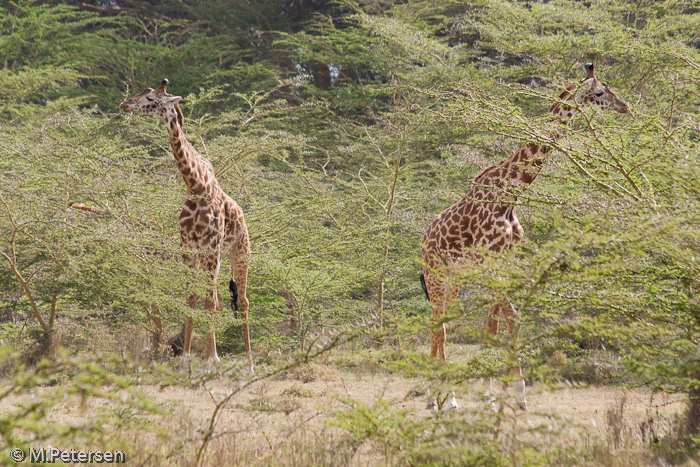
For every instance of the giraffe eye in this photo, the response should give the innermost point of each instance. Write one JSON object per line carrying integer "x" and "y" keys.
{"x": 150, "y": 99}
{"x": 599, "y": 93}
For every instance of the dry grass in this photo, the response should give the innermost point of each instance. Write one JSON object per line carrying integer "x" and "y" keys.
{"x": 284, "y": 421}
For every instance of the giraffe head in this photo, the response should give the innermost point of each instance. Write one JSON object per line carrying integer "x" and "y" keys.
{"x": 598, "y": 93}
{"x": 154, "y": 102}
{"x": 593, "y": 92}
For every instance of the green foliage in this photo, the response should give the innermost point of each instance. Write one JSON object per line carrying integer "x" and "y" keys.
{"x": 342, "y": 129}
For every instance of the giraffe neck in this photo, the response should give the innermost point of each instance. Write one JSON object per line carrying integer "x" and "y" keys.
{"x": 186, "y": 157}
{"x": 512, "y": 176}
{"x": 527, "y": 162}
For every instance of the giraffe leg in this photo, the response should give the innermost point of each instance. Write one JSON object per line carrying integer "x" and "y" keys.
{"x": 441, "y": 295}
{"x": 209, "y": 351}
{"x": 239, "y": 265}
{"x": 210, "y": 264}
{"x": 191, "y": 261}
{"x": 492, "y": 328}
{"x": 512, "y": 321}
{"x": 451, "y": 403}
{"x": 219, "y": 305}
{"x": 187, "y": 343}
{"x": 210, "y": 347}
{"x": 449, "y": 293}
{"x": 437, "y": 342}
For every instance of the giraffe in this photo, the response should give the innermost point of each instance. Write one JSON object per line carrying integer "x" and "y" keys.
{"x": 210, "y": 221}
{"x": 485, "y": 220}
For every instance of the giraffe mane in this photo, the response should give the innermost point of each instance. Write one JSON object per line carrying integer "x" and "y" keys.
{"x": 180, "y": 118}
{"x": 563, "y": 95}
{"x": 566, "y": 92}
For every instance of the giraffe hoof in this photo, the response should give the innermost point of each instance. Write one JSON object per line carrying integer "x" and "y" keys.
{"x": 432, "y": 404}
{"x": 523, "y": 406}
{"x": 452, "y": 404}
{"x": 207, "y": 368}
{"x": 184, "y": 364}
{"x": 491, "y": 404}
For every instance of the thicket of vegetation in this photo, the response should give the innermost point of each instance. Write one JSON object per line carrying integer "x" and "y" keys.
{"x": 342, "y": 129}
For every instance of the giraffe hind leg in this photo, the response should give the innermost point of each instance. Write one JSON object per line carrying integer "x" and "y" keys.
{"x": 210, "y": 264}
{"x": 239, "y": 256}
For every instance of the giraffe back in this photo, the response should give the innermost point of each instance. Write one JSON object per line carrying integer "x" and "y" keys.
{"x": 473, "y": 223}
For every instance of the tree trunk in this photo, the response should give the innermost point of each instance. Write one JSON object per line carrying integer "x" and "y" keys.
{"x": 51, "y": 331}
{"x": 692, "y": 422}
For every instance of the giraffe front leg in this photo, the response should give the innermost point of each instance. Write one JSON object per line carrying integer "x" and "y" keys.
{"x": 437, "y": 341}
{"x": 210, "y": 354}
{"x": 190, "y": 261}
{"x": 189, "y": 328}
{"x": 492, "y": 329}
{"x": 440, "y": 295}
{"x": 513, "y": 323}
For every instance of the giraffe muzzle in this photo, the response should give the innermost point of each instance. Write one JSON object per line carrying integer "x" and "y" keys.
{"x": 125, "y": 107}
{"x": 623, "y": 108}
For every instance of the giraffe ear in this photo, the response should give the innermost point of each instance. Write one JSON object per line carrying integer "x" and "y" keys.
{"x": 172, "y": 99}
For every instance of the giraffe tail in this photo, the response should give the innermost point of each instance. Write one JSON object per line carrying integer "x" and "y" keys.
{"x": 425, "y": 289}
{"x": 234, "y": 294}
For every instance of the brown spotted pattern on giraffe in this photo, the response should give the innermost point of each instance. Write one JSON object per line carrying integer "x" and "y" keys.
{"x": 210, "y": 221}
{"x": 528, "y": 176}
{"x": 520, "y": 155}
{"x": 486, "y": 219}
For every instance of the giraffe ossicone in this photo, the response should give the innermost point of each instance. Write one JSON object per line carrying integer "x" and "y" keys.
{"x": 211, "y": 222}
{"x": 485, "y": 221}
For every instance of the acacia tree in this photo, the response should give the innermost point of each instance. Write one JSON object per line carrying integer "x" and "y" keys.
{"x": 608, "y": 255}
{"x": 339, "y": 173}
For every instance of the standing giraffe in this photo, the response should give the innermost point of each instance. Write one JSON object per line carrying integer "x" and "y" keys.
{"x": 210, "y": 221}
{"x": 485, "y": 220}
